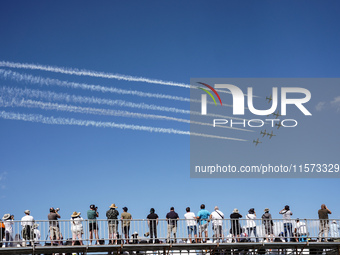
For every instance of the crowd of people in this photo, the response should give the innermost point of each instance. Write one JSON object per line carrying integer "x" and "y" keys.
{"x": 195, "y": 224}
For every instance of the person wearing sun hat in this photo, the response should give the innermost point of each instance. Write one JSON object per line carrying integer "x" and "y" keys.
{"x": 8, "y": 229}
{"x": 112, "y": 217}
{"x": 76, "y": 227}
{"x": 268, "y": 224}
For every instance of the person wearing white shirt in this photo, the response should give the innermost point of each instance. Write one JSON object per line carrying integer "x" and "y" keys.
{"x": 191, "y": 224}
{"x": 27, "y": 226}
{"x": 251, "y": 225}
{"x": 76, "y": 227}
{"x": 217, "y": 222}
{"x": 8, "y": 230}
{"x": 301, "y": 230}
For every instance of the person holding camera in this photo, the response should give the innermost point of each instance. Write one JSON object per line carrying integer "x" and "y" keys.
{"x": 324, "y": 222}
{"x": 287, "y": 224}
{"x": 92, "y": 215}
{"x": 53, "y": 217}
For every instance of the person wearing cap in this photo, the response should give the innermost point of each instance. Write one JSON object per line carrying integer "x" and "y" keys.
{"x": 8, "y": 222}
{"x": 27, "y": 227}
{"x": 287, "y": 224}
{"x": 217, "y": 222}
{"x": 92, "y": 215}
{"x": 236, "y": 229}
{"x": 152, "y": 223}
{"x": 203, "y": 217}
{"x": 301, "y": 231}
{"x": 53, "y": 217}
{"x": 324, "y": 222}
{"x": 76, "y": 227}
{"x": 251, "y": 225}
{"x": 268, "y": 224}
{"x": 112, "y": 217}
{"x": 126, "y": 219}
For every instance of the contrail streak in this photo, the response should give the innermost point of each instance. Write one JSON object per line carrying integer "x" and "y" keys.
{"x": 52, "y": 96}
{"x": 7, "y": 74}
{"x": 89, "y": 110}
{"x": 83, "y": 72}
{"x": 66, "y": 121}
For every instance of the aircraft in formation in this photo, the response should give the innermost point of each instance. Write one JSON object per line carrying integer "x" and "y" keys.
{"x": 264, "y": 133}
{"x": 269, "y": 98}
{"x": 270, "y": 135}
{"x": 256, "y": 142}
{"x": 278, "y": 125}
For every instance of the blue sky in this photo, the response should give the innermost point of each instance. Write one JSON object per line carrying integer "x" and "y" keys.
{"x": 72, "y": 167}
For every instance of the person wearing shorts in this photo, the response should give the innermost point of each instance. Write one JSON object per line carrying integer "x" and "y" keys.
{"x": 92, "y": 215}
{"x": 112, "y": 217}
{"x": 191, "y": 224}
{"x": 54, "y": 224}
{"x": 203, "y": 216}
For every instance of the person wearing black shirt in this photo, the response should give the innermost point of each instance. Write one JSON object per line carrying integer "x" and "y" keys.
{"x": 172, "y": 218}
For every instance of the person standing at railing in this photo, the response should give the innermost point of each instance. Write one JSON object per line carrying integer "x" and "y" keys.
{"x": 27, "y": 227}
{"x": 334, "y": 230}
{"x": 112, "y": 217}
{"x": 126, "y": 218}
{"x": 268, "y": 225}
{"x": 251, "y": 225}
{"x": 92, "y": 215}
{"x": 8, "y": 221}
{"x": 76, "y": 227}
{"x": 287, "y": 224}
{"x": 191, "y": 224}
{"x": 217, "y": 222}
{"x": 301, "y": 231}
{"x": 2, "y": 231}
{"x": 203, "y": 217}
{"x": 53, "y": 217}
{"x": 36, "y": 235}
{"x": 152, "y": 223}
{"x": 236, "y": 229}
{"x": 172, "y": 218}
{"x": 324, "y": 223}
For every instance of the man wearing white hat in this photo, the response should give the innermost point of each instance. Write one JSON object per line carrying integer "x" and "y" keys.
{"x": 27, "y": 226}
{"x": 8, "y": 229}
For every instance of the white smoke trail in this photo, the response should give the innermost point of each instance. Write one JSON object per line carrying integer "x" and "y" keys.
{"x": 83, "y": 72}
{"x": 7, "y": 74}
{"x": 87, "y": 123}
{"x": 52, "y": 96}
{"x": 15, "y": 102}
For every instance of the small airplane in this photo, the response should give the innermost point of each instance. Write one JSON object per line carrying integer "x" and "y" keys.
{"x": 269, "y": 98}
{"x": 271, "y": 134}
{"x": 264, "y": 133}
{"x": 278, "y": 125}
{"x": 277, "y": 114}
{"x": 256, "y": 142}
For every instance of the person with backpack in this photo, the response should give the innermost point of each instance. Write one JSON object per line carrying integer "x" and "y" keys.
{"x": 112, "y": 217}
{"x": 268, "y": 225}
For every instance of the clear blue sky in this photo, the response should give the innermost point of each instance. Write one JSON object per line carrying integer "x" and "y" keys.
{"x": 72, "y": 167}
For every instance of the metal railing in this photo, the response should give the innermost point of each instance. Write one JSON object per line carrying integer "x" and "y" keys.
{"x": 40, "y": 233}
